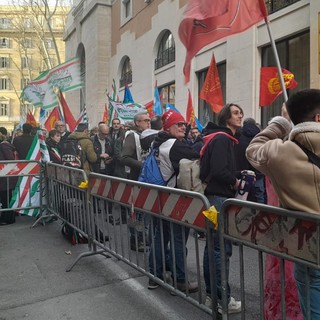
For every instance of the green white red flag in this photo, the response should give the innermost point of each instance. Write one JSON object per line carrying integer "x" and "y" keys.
{"x": 27, "y": 191}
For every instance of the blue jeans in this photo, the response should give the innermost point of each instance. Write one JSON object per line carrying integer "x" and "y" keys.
{"x": 217, "y": 202}
{"x": 300, "y": 273}
{"x": 178, "y": 247}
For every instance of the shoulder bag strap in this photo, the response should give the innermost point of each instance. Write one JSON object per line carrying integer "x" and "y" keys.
{"x": 313, "y": 158}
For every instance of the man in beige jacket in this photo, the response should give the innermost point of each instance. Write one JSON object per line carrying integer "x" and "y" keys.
{"x": 275, "y": 152}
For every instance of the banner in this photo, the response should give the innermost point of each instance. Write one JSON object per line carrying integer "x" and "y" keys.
{"x": 206, "y": 21}
{"x": 125, "y": 111}
{"x": 270, "y": 87}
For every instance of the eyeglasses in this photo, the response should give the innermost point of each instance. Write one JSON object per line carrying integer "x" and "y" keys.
{"x": 145, "y": 120}
{"x": 61, "y": 125}
{"x": 181, "y": 124}
{"x": 116, "y": 124}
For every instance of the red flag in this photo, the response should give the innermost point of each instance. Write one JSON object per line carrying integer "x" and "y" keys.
{"x": 30, "y": 119}
{"x": 149, "y": 107}
{"x": 106, "y": 116}
{"x": 190, "y": 116}
{"x": 52, "y": 119}
{"x": 68, "y": 117}
{"x": 211, "y": 90}
{"x": 206, "y": 21}
{"x": 270, "y": 87}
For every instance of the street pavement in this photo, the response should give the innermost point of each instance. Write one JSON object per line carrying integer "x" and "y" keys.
{"x": 35, "y": 285}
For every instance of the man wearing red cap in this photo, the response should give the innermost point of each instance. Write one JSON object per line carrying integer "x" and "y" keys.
{"x": 172, "y": 148}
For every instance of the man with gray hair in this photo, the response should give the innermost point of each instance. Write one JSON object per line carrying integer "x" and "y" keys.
{"x": 131, "y": 157}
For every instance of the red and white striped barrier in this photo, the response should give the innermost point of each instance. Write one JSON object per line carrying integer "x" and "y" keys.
{"x": 170, "y": 203}
{"x": 19, "y": 168}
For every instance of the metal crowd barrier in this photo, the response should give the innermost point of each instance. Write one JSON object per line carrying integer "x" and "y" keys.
{"x": 68, "y": 200}
{"x": 288, "y": 235}
{"x": 23, "y": 180}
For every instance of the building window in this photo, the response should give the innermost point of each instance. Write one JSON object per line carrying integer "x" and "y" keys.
{"x": 167, "y": 94}
{"x": 294, "y": 55}
{"x": 4, "y": 62}
{"x": 24, "y": 82}
{"x": 4, "y": 43}
{"x": 27, "y": 23}
{"x": 205, "y": 112}
{"x": 4, "y": 109}
{"x": 126, "y": 9}
{"x": 166, "y": 51}
{"x": 25, "y": 62}
{"x": 4, "y": 84}
{"x": 49, "y": 43}
{"x": 27, "y": 43}
{"x": 126, "y": 73}
{"x": 276, "y": 5}
{"x": 5, "y": 23}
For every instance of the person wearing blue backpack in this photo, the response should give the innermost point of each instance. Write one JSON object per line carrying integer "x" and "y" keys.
{"x": 171, "y": 148}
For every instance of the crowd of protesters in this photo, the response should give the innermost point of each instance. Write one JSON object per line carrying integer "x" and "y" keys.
{"x": 120, "y": 150}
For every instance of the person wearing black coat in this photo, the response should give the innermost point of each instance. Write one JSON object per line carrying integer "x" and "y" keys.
{"x": 23, "y": 143}
{"x": 7, "y": 152}
{"x": 53, "y": 146}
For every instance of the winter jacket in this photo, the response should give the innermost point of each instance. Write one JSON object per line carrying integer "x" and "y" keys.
{"x": 249, "y": 131}
{"x": 98, "y": 150}
{"x": 295, "y": 179}
{"x": 171, "y": 151}
{"x": 7, "y": 151}
{"x": 22, "y": 145}
{"x": 222, "y": 174}
{"x": 130, "y": 152}
{"x": 89, "y": 155}
{"x": 54, "y": 151}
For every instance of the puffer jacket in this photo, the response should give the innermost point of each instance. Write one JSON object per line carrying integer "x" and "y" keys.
{"x": 89, "y": 155}
{"x": 294, "y": 178}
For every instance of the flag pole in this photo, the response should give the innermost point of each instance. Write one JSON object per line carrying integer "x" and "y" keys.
{"x": 276, "y": 56}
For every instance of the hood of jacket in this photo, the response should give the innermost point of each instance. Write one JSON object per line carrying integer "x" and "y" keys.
{"x": 161, "y": 138}
{"x": 78, "y": 135}
{"x": 250, "y": 130}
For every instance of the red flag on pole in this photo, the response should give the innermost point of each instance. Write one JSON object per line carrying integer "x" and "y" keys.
{"x": 52, "y": 119}
{"x": 68, "y": 117}
{"x": 30, "y": 119}
{"x": 106, "y": 116}
{"x": 190, "y": 116}
{"x": 211, "y": 90}
{"x": 206, "y": 21}
{"x": 270, "y": 87}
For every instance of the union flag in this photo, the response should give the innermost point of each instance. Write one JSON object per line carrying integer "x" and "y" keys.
{"x": 190, "y": 116}
{"x": 52, "y": 119}
{"x": 270, "y": 87}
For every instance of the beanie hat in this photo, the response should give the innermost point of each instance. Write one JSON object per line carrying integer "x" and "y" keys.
{"x": 170, "y": 118}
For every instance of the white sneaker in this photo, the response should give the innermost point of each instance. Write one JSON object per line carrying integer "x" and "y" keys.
{"x": 234, "y": 306}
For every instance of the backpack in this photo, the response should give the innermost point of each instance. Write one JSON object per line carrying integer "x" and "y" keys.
{"x": 150, "y": 171}
{"x": 189, "y": 176}
{"x": 71, "y": 153}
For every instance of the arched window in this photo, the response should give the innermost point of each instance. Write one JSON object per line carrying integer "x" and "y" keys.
{"x": 126, "y": 73}
{"x": 166, "y": 51}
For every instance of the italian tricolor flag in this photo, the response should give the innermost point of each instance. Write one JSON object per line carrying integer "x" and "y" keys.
{"x": 27, "y": 191}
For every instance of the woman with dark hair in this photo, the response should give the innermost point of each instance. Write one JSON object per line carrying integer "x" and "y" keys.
{"x": 53, "y": 146}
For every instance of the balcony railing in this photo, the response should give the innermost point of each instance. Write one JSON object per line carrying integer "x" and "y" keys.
{"x": 167, "y": 56}
{"x": 126, "y": 78}
{"x": 276, "y": 5}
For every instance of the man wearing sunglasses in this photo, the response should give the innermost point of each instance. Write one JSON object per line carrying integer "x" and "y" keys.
{"x": 131, "y": 158}
{"x": 172, "y": 148}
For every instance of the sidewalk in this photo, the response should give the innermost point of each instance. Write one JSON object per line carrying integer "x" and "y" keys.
{"x": 35, "y": 286}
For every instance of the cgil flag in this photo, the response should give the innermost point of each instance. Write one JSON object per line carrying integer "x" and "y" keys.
{"x": 211, "y": 90}
{"x": 270, "y": 87}
{"x": 31, "y": 119}
{"x": 125, "y": 111}
{"x": 64, "y": 77}
{"x": 206, "y": 21}
{"x": 27, "y": 191}
{"x": 190, "y": 116}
